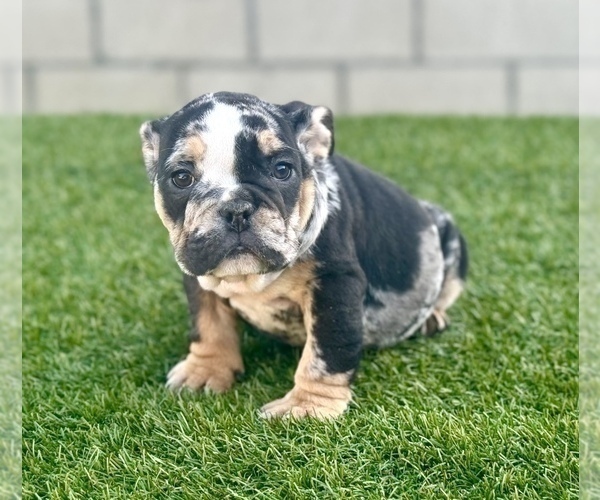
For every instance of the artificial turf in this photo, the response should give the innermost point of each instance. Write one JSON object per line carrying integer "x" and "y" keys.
{"x": 486, "y": 410}
{"x": 589, "y": 316}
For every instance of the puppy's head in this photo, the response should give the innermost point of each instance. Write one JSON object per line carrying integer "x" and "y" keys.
{"x": 243, "y": 186}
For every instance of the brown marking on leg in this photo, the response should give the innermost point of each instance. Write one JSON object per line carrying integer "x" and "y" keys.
{"x": 438, "y": 321}
{"x": 214, "y": 359}
{"x": 316, "y": 392}
{"x": 451, "y": 290}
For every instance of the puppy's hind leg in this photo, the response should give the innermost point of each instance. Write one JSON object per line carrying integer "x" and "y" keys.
{"x": 456, "y": 263}
{"x": 438, "y": 321}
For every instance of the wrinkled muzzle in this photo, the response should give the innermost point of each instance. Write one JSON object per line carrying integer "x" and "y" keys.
{"x": 233, "y": 238}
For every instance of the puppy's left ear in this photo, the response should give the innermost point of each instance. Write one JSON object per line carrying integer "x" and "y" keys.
{"x": 314, "y": 129}
{"x": 150, "y": 135}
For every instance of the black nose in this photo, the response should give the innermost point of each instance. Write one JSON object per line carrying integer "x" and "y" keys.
{"x": 237, "y": 214}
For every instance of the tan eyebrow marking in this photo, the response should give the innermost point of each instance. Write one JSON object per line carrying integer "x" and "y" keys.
{"x": 268, "y": 142}
{"x": 194, "y": 148}
{"x": 189, "y": 149}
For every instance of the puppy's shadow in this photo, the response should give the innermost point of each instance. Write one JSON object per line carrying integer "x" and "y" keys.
{"x": 267, "y": 360}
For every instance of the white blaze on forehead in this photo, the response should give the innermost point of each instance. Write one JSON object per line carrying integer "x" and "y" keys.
{"x": 222, "y": 125}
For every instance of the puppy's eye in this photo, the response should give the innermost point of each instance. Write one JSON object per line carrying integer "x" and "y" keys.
{"x": 282, "y": 171}
{"x": 182, "y": 179}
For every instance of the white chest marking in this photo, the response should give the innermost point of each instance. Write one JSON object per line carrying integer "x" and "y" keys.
{"x": 274, "y": 303}
{"x": 280, "y": 317}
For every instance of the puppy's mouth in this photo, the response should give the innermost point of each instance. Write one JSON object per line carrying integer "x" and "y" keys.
{"x": 238, "y": 265}
{"x": 238, "y": 262}
{"x": 239, "y": 251}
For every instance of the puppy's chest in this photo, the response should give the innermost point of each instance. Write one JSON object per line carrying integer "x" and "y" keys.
{"x": 279, "y": 317}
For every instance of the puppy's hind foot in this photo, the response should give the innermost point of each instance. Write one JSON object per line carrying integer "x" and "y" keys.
{"x": 437, "y": 322}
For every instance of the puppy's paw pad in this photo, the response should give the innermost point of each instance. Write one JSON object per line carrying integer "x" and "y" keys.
{"x": 195, "y": 374}
{"x": 292, "y": 406}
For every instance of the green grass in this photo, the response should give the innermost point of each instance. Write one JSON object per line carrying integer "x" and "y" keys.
{"x": 589, "y": 255}
{"x": 486, "y": 410}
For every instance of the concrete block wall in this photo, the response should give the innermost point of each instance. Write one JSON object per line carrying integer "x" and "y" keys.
{"x": 356, "y": 56}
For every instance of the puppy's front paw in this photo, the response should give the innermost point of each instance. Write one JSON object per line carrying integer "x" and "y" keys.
{"x": 299, "y": 403}
{"x": 198, "y": 373}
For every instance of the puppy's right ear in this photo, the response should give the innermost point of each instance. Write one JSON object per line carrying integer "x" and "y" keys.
{"x": 150, "y": 135}
{"x": 314, "y": 129}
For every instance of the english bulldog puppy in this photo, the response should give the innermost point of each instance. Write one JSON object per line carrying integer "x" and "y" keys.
{"x": 269, "y": 225}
